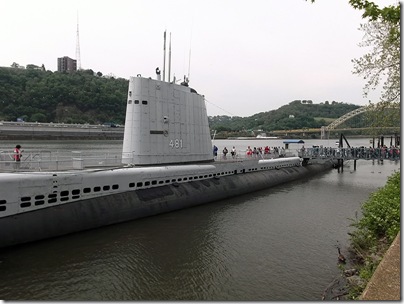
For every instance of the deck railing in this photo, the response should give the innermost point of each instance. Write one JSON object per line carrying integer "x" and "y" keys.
{"x": 55, "y": 161}
{"x": 351, "y": 153}
{"x": 43, "y": 160}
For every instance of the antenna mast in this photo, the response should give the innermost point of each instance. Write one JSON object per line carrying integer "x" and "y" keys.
{"x": 78, "y": 45}
{"x": 169, "y": 61}
{"x": 164, "y": 63}
{"x": 189, "y": 62}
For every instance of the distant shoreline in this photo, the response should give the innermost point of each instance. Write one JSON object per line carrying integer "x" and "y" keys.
{"x": 50, "y": 131}
{"x": 60, "y": 131}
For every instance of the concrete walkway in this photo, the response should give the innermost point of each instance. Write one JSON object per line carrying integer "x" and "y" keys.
{"x": 385, "y": 283}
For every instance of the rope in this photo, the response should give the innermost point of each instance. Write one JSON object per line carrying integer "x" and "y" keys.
{"x": 219, "y": 107}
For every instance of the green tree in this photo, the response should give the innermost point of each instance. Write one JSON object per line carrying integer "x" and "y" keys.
{"x": 373, "y": 12}
{"x": 383, "y": 59}
{"x": 38, "y": 117}
{"x": 381, "y": 64}
{"x": 63, "y": 97}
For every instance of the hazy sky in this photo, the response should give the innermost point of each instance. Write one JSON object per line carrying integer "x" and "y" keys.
{"x": 246, "y": 57}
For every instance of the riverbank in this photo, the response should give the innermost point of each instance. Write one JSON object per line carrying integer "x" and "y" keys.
{"x": 56, "y": 131}
{"x": 385, "y": 284}
{"x": 372, "y": 267}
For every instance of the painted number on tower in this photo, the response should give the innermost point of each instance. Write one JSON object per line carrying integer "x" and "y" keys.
{"x": 176, "y": 143}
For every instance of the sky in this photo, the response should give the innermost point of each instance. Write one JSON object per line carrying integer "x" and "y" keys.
{"x": 245, "y": 57}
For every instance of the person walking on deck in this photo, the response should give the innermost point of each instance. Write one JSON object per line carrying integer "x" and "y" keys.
{"x": 17, "y": 156}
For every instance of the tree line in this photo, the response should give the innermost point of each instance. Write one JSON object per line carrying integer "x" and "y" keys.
{"x": 45, "y": 96}
{"x": 298, "y": 114}
{"x": 85, "y": 97}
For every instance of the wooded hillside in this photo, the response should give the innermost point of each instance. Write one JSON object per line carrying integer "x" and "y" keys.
{"x": 44, "y": 96}
{"x": 85, "y": 97}
{"x": 297, "y": 114}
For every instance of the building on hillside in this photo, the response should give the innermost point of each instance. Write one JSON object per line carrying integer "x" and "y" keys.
{"x": 35, "y": 67}
{"x": 66, "y": 64}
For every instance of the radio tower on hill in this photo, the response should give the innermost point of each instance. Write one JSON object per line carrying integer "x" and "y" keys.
{"x": 78, "y": 45}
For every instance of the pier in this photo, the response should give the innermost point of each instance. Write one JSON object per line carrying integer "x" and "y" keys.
{"x": 351, "y": 153}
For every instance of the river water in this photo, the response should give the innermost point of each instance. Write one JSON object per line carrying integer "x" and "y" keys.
{"x": 272, "y": 245}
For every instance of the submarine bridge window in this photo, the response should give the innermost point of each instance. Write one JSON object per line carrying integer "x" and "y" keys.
{"x": 137, "y": 101}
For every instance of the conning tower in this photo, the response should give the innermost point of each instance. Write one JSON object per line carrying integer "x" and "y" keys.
{"x": 165, "y": 123}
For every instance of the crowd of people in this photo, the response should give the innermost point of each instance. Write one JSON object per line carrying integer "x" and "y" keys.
{"x": 382, "y": 152}
{"x": 249, "y": 152}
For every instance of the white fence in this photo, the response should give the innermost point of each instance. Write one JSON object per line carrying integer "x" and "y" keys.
{"x": 54, "y": 161}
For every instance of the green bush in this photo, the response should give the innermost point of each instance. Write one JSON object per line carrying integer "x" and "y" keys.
{"x": 376, "y": 230}
{"x": 381, "y": 213}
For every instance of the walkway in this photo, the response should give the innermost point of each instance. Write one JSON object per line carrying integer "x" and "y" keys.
{"x": 351, "y": 153}
{"x": 385, "y": 284}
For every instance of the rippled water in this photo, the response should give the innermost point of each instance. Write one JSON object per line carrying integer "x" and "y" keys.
{"x": 276, "y": 244}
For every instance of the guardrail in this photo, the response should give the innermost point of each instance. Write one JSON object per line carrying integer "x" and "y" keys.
{"x": 76, "y": 160}
{"x": 54, "y": 161}
{"x": 351, "y": 153}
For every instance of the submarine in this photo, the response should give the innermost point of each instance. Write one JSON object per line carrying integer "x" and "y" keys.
{"x": 166, "y": 164}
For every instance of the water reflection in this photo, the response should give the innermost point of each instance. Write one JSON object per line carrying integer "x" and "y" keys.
{"x": 276, "y": 244}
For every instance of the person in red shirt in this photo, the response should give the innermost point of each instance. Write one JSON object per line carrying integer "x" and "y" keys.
{"x": 17, "y": 153}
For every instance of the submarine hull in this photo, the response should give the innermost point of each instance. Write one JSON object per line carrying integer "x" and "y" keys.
{"x": 121, "y": 207}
